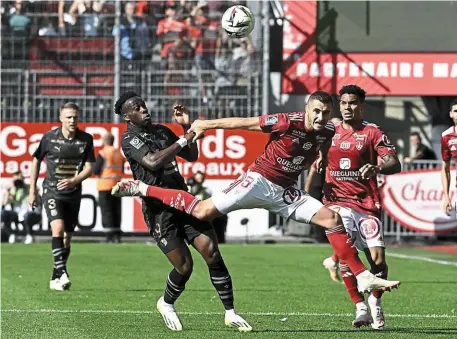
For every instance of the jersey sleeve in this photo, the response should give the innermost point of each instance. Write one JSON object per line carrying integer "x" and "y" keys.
{"x": 171, "y": 136}
{"x": 382, "y": 143}
{"x": 272, "y": 123}
{"x": 90, "y": 154}
{"x": 445, "y": 151}
{"x": 40, "y": 152}
{"x": 134, "y": 148}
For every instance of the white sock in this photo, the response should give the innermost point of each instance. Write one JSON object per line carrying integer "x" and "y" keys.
{"x": 143, "y": 188}
{"x": 361, "y": 306}
{"x": 373, "y": 300}
{"x": 230, "y": 312}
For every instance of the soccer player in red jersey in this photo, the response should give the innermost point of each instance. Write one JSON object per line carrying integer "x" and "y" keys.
{"x": 449, "y": 151}
{"x": 270, "y": 183}
{"x": 351, "y": 189}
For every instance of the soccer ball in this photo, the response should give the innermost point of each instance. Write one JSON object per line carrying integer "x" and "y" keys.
{"x": 238, "y": 21}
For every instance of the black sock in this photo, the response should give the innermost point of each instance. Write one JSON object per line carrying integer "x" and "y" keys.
{"x": 175, "y": 286}
{"x": 57, "y": 253}
{"x": 220, "y": 277}
{"x": 66, "y": 255}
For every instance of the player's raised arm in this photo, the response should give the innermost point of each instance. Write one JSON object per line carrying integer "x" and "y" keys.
{"x": 181, "y": 116}
{"x": 386, "y": 151}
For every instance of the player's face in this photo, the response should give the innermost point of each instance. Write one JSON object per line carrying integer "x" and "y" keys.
{"x": 453, "y": 114}
{"x": 138, "y": 113}
{"x": 69, "y": 119}
{"x": 318, "y": 114}
{"x": 351, "y": 108}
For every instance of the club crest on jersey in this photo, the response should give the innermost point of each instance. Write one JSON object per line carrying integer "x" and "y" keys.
{"x": 270, "y": 121}
{"x": 136, "y": 142}
{"x": 360, "y": 140}
{"x": 345, "y": 145}
{"x": 291, "y": 195}
{"x": 307, "y": 146}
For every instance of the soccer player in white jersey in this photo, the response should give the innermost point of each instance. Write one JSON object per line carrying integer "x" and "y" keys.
{"x": 296, "y": 139}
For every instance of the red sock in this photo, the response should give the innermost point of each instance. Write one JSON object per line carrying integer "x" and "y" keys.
{"x": 351, "y": 283}
{"x": 381, "y": 274}
{"x": 342, "y": 245}
{"x": 335, "y": 257}
{"x": 178, "y": 199}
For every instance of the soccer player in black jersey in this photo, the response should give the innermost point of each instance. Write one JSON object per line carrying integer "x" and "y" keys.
{"x": 151, "y": 150}
{"x": 69, "y": 154}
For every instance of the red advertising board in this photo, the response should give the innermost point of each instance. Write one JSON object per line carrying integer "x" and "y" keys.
{"x": 223, "y": 154}
{"x": 305, "y": 70}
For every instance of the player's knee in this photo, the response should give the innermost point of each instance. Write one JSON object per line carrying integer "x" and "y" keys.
{"x": 329, "y": 218}
{"x": 213, "y": 256}
{"x": 57, "y": 227}
{"x": 186, "y": 268}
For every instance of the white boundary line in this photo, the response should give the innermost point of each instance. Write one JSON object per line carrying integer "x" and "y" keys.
{"x": 413, "y": 257}
{"x": 299, "y": 314}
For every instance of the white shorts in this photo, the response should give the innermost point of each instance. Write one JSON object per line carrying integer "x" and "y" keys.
{"x": 365, "y": 229}
{"x": 252, "y": 190}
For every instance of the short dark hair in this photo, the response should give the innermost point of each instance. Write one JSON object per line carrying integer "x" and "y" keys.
{"x": 353, "y": 89}
{"x": 453, "y": 103}
{"x": 415, "y": 134}
{"x": 322, "y": 96}
{"x": 122, "y": 100}
{"x": 69, "y": 105}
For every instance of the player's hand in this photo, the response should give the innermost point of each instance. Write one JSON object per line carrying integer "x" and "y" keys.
{"x": 199, "y": 128}
{"x": 368, "y": 171}
{"x": 33, "y": 200}
{"x": 181, "y": 115}
{"x": 65, "y": 184}
{"x": 447, "y": 207}
{"x": 319, "y": 165}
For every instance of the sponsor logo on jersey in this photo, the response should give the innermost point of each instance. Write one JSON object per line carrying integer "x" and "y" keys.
{"x": 345, "y": 145}
{"x": 298, "y": 160}
{"x": 453, "y": 148}
{"x": 307, "y": 146}
{"x": 345, "y": 163}
{"x": 337, "y": 136}
{"x": 386, "y": 141}
{"x": 290, "y": 166}
{"x": 269, "y": 121}
{"x": 296, "y": 141}
{"x": 298, "y": 133}
{"x": 452, "y": 142}
{"x": 320, "y": 139}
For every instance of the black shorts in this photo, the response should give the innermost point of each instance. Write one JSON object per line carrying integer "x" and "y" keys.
{"x": 65, "y": 209}
{"x": 172, "y": 229}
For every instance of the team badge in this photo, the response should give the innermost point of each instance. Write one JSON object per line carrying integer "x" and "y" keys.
{"x": 360, "y": 140}
{"x": 307, "y": 146}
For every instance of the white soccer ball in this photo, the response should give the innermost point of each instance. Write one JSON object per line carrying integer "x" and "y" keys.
{"x": 238, "y": 21}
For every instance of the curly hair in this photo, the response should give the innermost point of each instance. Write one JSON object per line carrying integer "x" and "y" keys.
{"x": 122, "y": 100}
{"x": 354, "y": 89}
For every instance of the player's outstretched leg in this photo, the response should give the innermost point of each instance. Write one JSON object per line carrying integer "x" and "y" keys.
{"x": 178, "y": 199}
{"x": 342, "y": 245}
{"x": 331, "y": 264}
{"x": 206, "y": 245}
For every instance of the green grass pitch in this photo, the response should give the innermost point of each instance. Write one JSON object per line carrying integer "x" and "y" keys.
{"x": 282, "y": 290}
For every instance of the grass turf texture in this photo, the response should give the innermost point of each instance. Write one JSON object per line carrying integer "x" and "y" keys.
{"x": 282, "y": 290}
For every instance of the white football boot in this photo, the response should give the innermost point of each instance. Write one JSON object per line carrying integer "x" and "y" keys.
{"x": 234, "y": 320}
{"x": 368, "y": 282}
{"x": 28, "y": 239}
{"x": 55, "y": 285}
{"x": 376, "y": 312}
{"x": 12, "y": 238}
{"x": 65, "y": 281}
{"x": 362, "y": 316}
{"x": 332, "y": 269}
{"x": 169, "y": 315}
{"x": 129, "y": 188}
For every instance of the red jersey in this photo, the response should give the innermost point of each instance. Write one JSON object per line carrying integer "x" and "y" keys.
{"x": 170, "y": 31}
{"x": 350, "y": 150}
{"x": 290, "y": 149}
{"x": 449, "y": 144}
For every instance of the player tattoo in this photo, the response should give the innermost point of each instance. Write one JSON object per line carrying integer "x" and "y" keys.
{"x": 390, "y": 164}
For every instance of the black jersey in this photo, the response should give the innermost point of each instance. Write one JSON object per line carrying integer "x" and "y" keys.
{"x": 65, "y": 158}
{"x": 137, "y": 142}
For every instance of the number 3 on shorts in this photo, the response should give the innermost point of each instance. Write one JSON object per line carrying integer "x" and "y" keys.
{"x": 51, "y": 204}
{"x": 246, "y": 182}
